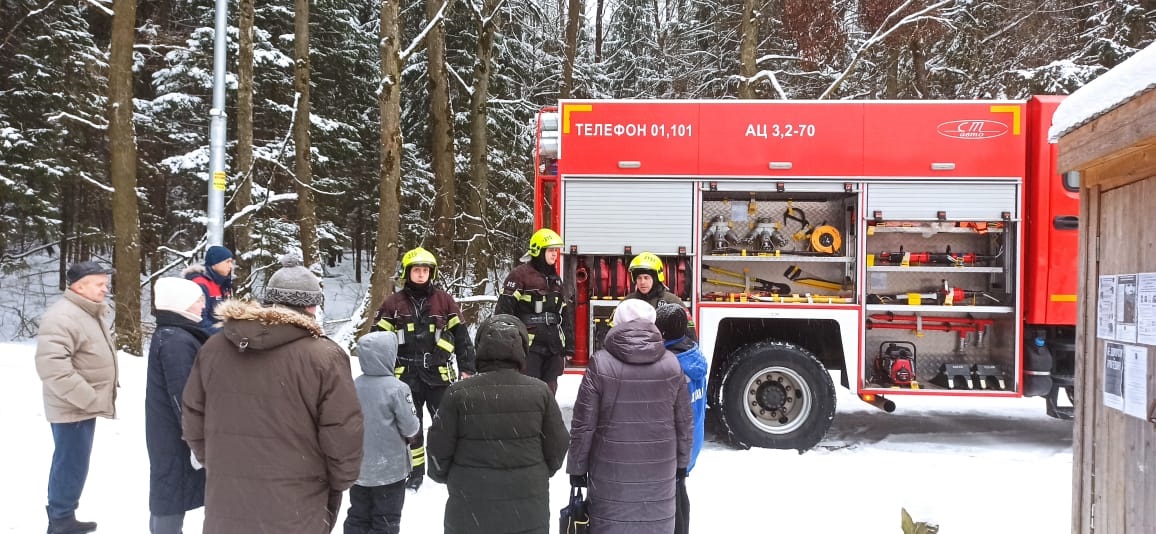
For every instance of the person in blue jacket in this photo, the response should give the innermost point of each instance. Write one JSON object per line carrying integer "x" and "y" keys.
{"x": 672, "y": 320}
{"x": 216, "y": 280}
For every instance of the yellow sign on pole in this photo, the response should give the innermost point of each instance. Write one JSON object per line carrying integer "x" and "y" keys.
{"x": 219, "y": 180}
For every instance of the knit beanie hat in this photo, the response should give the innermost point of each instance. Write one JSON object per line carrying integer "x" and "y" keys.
{"x": 293, "y": 285}
{"x": 176, "y": 295}
{"x": 502, "y": 342}
{"x": 633, "y": 310}
{"x": 216, "y": 254}
{"x": 670, "y": 320}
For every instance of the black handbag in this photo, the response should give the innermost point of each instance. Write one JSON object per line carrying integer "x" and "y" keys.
{"x": 573, "y": 519}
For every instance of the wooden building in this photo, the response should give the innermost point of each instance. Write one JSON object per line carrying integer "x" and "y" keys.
{"x": 1107, "y": 145}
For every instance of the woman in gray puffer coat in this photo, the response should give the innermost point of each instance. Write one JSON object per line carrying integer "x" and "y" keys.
{"x": 632, "y": 430}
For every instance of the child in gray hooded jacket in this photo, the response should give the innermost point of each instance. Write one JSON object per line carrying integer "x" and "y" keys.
{"x": 376, "y": 500}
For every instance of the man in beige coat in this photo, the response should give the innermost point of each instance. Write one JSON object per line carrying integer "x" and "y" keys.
{"x": 76, "y": 361}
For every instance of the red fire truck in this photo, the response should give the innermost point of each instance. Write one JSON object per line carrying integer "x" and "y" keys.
{"x": 918, "y": 248}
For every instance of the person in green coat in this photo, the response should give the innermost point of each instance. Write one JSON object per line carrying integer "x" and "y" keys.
{"x": 497, "y": 439}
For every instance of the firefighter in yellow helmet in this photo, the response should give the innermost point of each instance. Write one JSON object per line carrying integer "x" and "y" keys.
{"x": 650, "y": 285}
{"x": 429, "y": 331}
{"x": 533, "y": 293}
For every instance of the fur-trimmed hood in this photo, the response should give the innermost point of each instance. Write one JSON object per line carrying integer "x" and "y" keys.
{"x": 248, "y": 324}
{"x": 193, "y": 270}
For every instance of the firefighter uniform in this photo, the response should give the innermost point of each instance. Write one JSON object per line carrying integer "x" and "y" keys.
{"x": 532, "y": 292}
{"x": 429, "y": 331}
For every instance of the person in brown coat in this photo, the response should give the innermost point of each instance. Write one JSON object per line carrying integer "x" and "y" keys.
{"x": 271, "y": 411}
{"x": 76, "y": 361}
{"x": 632, "y": 431}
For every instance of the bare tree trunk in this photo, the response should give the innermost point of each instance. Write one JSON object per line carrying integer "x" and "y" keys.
{"x": 389, "y": 201}
{"x": 306, "y": 210}
{"x": 919, "y": 66}
{"x": 122, "y": 168}
{"x": 891, "y": 74}
{"x": 441, "y": 134}
{"x": 478, "y": 250}
{"x": 598, "y": 9}
{"x": 573, "y": 24}
{"x": 749, "y": 28}
{"x": 241, "y": 233}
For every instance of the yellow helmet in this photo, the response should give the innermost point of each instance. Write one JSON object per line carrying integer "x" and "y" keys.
{"x": 647, "y": 262}
{"x": 419, "y": 256}
{"x": 543, "y": 239}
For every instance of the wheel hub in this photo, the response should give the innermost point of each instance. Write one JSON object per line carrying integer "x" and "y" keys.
{"x": 777, "y": 402}
{"x": 771, "y": 395}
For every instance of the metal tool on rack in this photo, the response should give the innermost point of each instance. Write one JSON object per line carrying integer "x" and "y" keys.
{"x": 767, "y": 235}
{"x": 946, "y": 296}
{"x": 796, "y": 274}
{"x": 720, "y": 236}
{"x": 918, "y": 324}
{"x": 749, "y": 283}
{"x": 932, "y": 258}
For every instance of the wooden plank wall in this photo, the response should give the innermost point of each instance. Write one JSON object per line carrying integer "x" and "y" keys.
{"x": 1114, "y": 461}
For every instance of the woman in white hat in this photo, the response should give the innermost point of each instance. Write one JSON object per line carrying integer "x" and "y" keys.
{"x": 176, "y": 481}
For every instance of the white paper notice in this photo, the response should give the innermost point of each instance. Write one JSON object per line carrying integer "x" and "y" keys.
{"x": 1146, "y": 313}
{"x": 1126, "y": 307}
{"x": 1106, "y": 308}
{"x": 1114, "y": 375}
{"x": 1136, "y": 381}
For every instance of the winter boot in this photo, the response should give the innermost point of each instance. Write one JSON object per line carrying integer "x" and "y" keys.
{"x": 414, "y": 480}
{"x": 69, "y": 525}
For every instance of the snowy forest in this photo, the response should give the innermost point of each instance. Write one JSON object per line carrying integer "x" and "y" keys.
{"x": 376, "y": 126}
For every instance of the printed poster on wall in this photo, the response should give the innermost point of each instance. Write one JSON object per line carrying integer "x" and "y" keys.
{"x": 1126, "y": 307}
{"x": 1106, "y": 308}
{"x": 1114, "y": 375}
{"x": 1146, "y": 312}
{"x": 1136, "y": 381}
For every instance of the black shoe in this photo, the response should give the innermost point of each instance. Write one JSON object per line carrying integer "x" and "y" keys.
{"x": 413, "y": 482}
{"x": 69, "y": 525}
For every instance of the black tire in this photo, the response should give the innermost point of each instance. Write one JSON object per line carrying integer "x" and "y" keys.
{"x": 778, "y": 396}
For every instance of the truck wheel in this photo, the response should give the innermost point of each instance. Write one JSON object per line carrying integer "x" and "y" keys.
{"x": 778, "y": 396}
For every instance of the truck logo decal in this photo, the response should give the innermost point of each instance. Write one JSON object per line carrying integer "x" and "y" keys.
{"x": 972, "y": 129}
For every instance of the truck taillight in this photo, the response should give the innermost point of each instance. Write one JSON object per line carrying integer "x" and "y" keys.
{"x": 548, "y": 134}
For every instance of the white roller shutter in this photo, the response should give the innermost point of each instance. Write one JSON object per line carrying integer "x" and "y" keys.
{"x": 958, "y": 201}
{"x": 603, "y": 216}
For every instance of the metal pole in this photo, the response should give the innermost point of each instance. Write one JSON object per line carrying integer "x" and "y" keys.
{"x": 217, "y": 180}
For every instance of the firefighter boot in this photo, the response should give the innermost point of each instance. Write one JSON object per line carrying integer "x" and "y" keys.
{"x": 417, "y": 474}
{"x": 414, "y": 480}
{"x": 69, "y": 525}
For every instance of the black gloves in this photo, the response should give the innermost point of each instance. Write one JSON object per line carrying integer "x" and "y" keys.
{"x": 578, "y": 481}
{"x": 680, "y": 473}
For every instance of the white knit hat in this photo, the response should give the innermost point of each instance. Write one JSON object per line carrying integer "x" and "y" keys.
{"x": 633, "y": 310}
{"x": 176, "y": 294}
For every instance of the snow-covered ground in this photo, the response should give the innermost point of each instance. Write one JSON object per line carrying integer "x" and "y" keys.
{"x": 986, "y": 466}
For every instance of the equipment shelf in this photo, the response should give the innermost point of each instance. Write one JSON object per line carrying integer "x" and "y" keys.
{"x": 929, "y": 389}
{"x": 934, "y": 269}
{"x": 938, "y": 309}
{"x": 875, "y": 229}
{"x": 783, "y": 257}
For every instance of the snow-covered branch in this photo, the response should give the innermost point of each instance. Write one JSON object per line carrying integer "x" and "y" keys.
{"x": 20, "y": 22}
{"x": 881, "y": 34}
{"x": 420, "y": 39}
